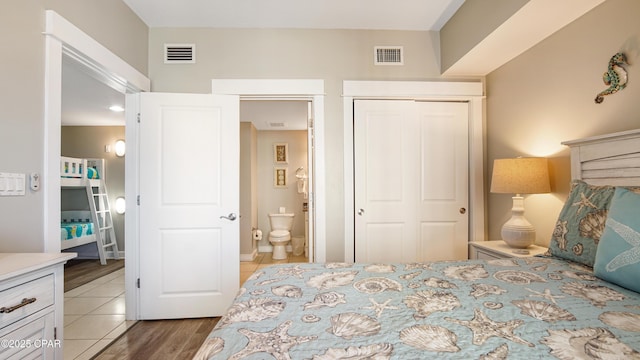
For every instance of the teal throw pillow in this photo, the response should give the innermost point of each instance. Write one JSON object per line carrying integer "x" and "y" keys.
{"x": 618, "y": 256}
{"x": 581, "y": 222}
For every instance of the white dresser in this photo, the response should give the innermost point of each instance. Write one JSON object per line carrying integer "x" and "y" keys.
{"x": 498, "y": 249}
{"x": 31, "y": 305}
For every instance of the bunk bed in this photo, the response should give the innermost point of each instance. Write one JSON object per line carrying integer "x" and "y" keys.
{"x": 80, "y": 227}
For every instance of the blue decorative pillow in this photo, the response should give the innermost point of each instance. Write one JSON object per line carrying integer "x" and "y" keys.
{"x": 581, "y": 222}
{"x": 618, "y": 256}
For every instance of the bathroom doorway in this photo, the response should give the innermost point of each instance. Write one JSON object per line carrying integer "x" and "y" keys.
{"x": 276, "y": 158}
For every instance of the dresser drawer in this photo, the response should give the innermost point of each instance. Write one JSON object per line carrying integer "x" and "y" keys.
{"x": 35, "y": 294}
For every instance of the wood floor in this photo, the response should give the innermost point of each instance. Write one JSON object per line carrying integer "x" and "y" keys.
{"x": 80, "y": 272}
{"x": 160, "y": 340}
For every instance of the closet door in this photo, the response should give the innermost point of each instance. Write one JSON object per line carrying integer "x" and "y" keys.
{"x": 411, "y": 180}
{"x": 189, "y": 201}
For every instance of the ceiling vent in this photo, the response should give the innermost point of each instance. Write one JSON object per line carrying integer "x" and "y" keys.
{"x": 276, "y": 124}
{"x": 388, "y": 55}
{"x": 179, "y": 53}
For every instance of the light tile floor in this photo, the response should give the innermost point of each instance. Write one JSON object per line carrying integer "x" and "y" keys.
{"x": 94, "y": 316}
{"x": 263, "y": 260}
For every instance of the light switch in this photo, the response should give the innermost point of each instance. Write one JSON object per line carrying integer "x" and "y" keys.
{"x": 12, "y": 184}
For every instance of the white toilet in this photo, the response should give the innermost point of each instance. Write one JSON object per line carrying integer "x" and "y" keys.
{"x": 280, "y": 234}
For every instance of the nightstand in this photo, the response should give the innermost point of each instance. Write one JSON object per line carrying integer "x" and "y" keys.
{"x": 498, "y": 249}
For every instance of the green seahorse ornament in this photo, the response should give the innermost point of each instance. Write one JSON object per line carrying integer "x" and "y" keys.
{"x": 615, "y": 77}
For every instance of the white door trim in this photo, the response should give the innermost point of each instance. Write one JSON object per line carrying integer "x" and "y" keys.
{"x": 471, "y": 92}
{"x": 313, "y": 90}
{"x": 62, "y": 38}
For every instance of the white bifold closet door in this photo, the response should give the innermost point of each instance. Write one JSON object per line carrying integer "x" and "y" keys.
{"x": 411, "y": 179}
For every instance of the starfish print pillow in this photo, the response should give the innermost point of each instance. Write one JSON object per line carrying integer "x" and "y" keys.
{"x": 618, "y": 256}
{"x": 581, "y": 222}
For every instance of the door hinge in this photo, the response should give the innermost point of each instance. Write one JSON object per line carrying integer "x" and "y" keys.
{"x": 55, "y": 333}
{"x": 138, "y": 118}
{"x": 138, "y": 200}
{"x": 138, "y": 283}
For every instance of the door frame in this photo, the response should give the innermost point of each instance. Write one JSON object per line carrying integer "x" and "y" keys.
{"x": 286, "y": 89}
{"x": 470, "y": 92}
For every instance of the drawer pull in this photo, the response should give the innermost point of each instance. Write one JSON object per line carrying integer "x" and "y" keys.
{"x": 25, "y": 302}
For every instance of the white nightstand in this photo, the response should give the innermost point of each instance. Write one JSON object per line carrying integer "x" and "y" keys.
{"x": 498, "y": 249}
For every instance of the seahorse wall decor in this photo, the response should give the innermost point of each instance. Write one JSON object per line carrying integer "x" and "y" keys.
{"x": 615, "y": 77}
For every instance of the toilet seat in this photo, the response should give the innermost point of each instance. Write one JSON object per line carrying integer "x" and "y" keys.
{"x": 280, "y": 235}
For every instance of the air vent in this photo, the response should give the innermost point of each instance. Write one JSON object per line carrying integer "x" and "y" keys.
{"x": 276, "y": 124}
{"x": 388, "y": 55}
{"x": 179, "y": 53}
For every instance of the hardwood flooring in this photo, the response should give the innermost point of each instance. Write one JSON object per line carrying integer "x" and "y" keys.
{"x": 80, "y": 272}
{"x": 160, "y": 340}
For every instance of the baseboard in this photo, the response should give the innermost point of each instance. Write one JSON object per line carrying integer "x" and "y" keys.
{"x": 249, "y": 257}
{"x": 94, "y": 255}
{"x": 269, "y": 248}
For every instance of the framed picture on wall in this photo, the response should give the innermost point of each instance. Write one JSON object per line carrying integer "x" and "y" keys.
{"x": 280, "y": 153}
{"x": 279, "y": 177}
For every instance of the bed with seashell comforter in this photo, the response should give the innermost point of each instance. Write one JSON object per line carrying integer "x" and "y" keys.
{"x": 580, "y": 301}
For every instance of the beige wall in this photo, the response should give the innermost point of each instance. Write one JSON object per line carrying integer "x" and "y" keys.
{"x": 248, "y": 187}
{"x": 270, "y": 199}
{"x": 89, "y": 142}
{"x": 546, "y": 96}
{"x": 330, "y": 55}
{"x": 22, "y": 95}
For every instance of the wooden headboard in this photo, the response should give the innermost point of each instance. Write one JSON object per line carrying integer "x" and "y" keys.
{"x": 612, "y": 159}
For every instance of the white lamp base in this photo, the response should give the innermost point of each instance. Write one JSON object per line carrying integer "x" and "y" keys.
{"x": 518, "y": 232}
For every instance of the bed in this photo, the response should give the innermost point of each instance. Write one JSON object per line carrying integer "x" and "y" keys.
{"x": 580, "y": 301}
{"x": 91, "y": 220}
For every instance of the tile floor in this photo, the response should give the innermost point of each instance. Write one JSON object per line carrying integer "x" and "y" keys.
{"x": 94, "y": 313}
{"x": 94, "y": 316}
{"x": 264, "y": 259}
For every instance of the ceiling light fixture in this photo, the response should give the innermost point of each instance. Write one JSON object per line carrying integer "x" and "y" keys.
{"x": 116, "y": 108}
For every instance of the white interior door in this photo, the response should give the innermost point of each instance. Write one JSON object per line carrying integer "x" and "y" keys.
{"x": 411, "y": 180}
{"x": 189, "y": 168}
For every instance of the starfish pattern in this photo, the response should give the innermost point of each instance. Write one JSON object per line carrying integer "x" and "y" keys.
{"x": 629, "y": 257}
{"x": 276, "y": 342}
{"x": 379, "y": 308}
{"x": 483, "y": 328}
{"x": 545, "y": 295}
{"x": 584, "y": 202}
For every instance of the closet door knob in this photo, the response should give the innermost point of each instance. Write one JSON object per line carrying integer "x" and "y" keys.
{"x": 361, "y": 212}
{"x": 462, "y": 210}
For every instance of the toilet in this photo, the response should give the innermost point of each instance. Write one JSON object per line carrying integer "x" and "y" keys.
{"x": 280, "y": 234}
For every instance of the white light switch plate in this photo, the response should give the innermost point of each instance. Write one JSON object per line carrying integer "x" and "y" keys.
{"x": 12, "y": 184}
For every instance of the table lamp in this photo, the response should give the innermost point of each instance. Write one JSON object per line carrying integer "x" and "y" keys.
{"x": 519, "y": 176}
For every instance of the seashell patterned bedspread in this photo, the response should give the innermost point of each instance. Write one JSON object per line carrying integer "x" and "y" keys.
{"x": 534, "y": 308}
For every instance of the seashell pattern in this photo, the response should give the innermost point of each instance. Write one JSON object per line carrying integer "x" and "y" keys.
{"x": 440, "y": 283}
{"x": 466, "y": 272}
{"x": 294, "y": 271}
{"x": 310, "y": 318}
{"x": 209, "y": 348}
{"x": 269, "y": 281}
{"x": 503, "y": 262}
{"x": 621, "y": 320}
{"x": 337, "y": 265}
{"x": 597, "y": 295}
{"x": 587, "y": 343}
{"x": 518, "y": 277}
{"x": 349, "y": 325}
{"x": 560, "y": 234}
{"x": 331, "y": 280}
{"x": 287, "y": 291}
{"x": 430, "y": 338}
{"x": 253, "y": 310}
{"x": 578, "y": 275}
{"x": 410, "y": 276}
{"x": 592, "y": 224}
{"x": 499, "y": 353}
{"x": 543, "y": 310}
{"x": 374, "y": 285}
{"x": 328, "y": 299}
{"x": 417, "y": 266}
{"x": 258, "y": 292}
{"x": 414, "y": 285}
{"x": 365, "y": 352}
{"x": 427, "y": 302}
{"x": 380, "y": 268}
{"x": 492, "y": 305}
{"x": 480, "y": 290}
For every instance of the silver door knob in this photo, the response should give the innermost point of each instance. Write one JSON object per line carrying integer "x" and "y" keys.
{"x": 230, "y": 217}
{"x": 361, "y": 212}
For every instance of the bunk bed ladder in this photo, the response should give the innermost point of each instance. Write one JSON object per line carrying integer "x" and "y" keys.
{"x": 103, "y": 221}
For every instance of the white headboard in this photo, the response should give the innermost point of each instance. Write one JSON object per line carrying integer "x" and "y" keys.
{"x": 612, "y": 159}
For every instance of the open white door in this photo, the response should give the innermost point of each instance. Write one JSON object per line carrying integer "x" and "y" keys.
{"x": 189, "y": 187}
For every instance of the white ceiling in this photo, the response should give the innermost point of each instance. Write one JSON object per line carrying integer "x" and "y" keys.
{"x": 309, "y": 14}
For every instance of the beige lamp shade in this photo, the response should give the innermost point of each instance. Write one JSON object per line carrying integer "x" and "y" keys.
{"x": 520, "y": 176}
